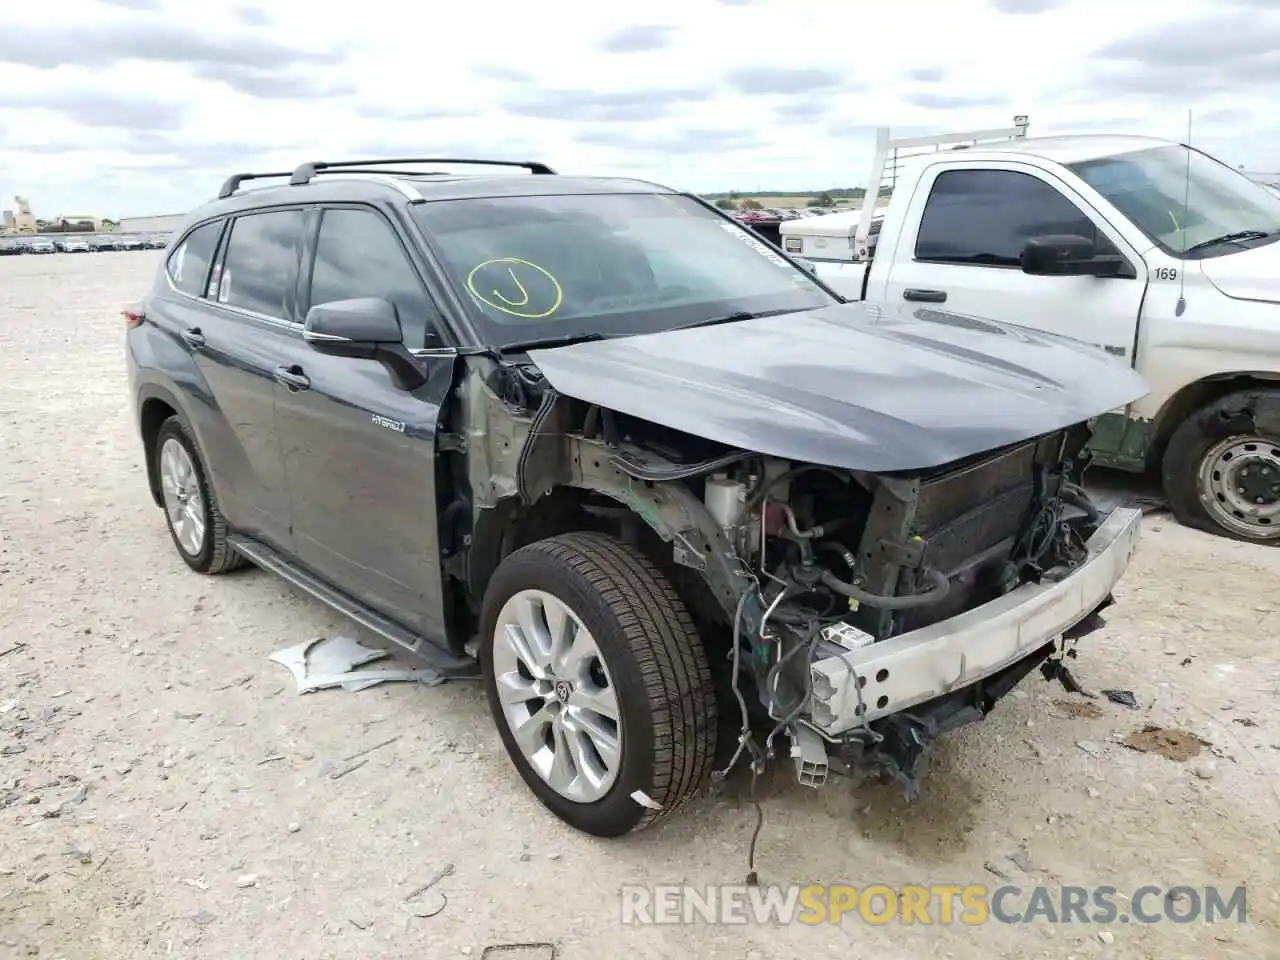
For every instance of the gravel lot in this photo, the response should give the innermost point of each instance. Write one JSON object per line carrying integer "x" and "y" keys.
{"x": 164, "y": 792}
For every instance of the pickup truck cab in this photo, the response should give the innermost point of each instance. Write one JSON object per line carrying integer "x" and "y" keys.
{"x": 1151, "y": 250}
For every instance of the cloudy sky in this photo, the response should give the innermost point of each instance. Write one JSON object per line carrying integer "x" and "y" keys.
{"x": 130, "y": 107}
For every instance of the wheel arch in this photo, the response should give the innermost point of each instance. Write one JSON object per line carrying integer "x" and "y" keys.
{"x": 643, "y": 521}
{"x": 155, "y": 406}
{"x": 1195, "y": 395}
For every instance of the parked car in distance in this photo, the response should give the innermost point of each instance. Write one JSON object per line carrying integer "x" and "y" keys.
{"x": 596, "y": 444}
{"x": 103, "y": 241}
{"x": 11, "y": 247}
{"x": 129, "y": 242}
{"x": 40, "y": 245}
{"x": 73, "y": 245}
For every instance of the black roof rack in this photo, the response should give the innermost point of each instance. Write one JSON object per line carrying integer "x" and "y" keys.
{"x": 305, "y": 172}
{"x": 232, "y": 183}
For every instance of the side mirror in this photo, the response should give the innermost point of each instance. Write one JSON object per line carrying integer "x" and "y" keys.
{"x": 807, "y": 265}
{"x": 353, "y": 328}
{"x": 1068, "y": 255}
{"x": 367, "y": 328}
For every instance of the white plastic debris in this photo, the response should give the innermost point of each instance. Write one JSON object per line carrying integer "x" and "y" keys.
{"x": 327, "y": 662}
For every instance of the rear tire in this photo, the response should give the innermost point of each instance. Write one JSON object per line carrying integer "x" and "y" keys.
{"x": 626, "y": 645}
{"x": 196, "y": 525}
{"x": 1221, "y": 470}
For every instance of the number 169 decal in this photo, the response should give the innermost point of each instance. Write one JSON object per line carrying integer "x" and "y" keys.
{"x": 1164, "y": 273}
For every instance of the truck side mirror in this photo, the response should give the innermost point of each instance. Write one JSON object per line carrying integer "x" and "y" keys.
{"x": 1068, "y": 255}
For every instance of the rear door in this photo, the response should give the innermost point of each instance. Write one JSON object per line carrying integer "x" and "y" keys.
{"x": 360, "y": 452}
{"x": 231, "y": 311}
{"x": 960, "y": 245}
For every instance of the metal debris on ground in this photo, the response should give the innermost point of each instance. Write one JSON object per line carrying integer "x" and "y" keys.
{"x": 327, "y": 662}
{"x": 420, "y": 910}
{"x": 534, "y": 951}
{"x": 1176, "y": 745}
{"x": 1123, "y": 697}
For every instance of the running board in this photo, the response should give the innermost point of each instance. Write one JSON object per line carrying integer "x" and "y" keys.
{"x": 445, "y": 663}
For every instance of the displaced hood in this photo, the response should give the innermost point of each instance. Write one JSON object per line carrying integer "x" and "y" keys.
{"x": 854, "y": 386}
{"x": 1247, "y": 275}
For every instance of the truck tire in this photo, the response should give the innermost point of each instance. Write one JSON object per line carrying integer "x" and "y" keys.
{"x": 613, "y": 723}
{"x": 196, "y": 525}
{"x": 1221, "y": 470}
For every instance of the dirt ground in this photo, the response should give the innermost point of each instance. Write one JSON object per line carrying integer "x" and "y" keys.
{"x": 165, "y": 792}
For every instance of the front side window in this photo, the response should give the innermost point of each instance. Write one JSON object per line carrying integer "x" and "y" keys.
{"x": 1184, "y": 201}
{"x": 986, "y": 217}
{"x": 188, "y": 265}
{"x": 549, "y": 267}
{"x": 260, "y": 268}
{"x": 358, "y": 255}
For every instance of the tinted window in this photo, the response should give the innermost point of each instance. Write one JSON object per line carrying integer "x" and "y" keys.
{"x": 260, "y": 268}
{"x": 613, "y": 264}
{"x": 985, "y": 217}
{"x": 358, "y": 255}
{"x": 188, "y": 266}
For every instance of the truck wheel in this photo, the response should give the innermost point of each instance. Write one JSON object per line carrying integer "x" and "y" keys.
{"x": 598, "y": 682}
{"x": 190, "y": 507}
{"x": 1222, "y": 467}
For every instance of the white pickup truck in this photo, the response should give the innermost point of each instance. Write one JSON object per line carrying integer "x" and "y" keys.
{"x": 1152, "y": 250}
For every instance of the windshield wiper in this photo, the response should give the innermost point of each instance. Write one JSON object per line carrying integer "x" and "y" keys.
{"x": 734, "y": 318}
{"x": 561, "y": 341}
{"x": 1228, "y": 238}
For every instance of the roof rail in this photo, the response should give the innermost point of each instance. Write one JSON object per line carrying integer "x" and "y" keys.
{"x": 305, "y": 172}
{"x": 232, "y": 183}
{"x": 888, "y": 157}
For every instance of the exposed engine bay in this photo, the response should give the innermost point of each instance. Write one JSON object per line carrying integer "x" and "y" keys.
{"x": 846, "y": 560}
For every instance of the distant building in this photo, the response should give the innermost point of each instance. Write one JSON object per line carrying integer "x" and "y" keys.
{"x": 76, "y": 223}
{"x": 23, "y": 220}
{"x": 164, "y": 223}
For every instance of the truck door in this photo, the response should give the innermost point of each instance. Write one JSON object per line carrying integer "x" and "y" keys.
{"x": 959, "y": 250}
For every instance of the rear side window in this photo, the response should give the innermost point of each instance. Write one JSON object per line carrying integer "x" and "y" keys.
{"x": 986, "y": 217}
{"x": 358, "y": 255}
{"x": 260, "y": 268}
{"x": 188, "y": 265}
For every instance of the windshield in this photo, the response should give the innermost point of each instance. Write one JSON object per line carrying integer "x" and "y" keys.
{"x": 1183, "y": 199}
{"x": 553, "y": 267}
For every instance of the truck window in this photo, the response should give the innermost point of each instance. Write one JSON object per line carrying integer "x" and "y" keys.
{"x": 261, "y": 263}
{"x": 985, "y": 217}
{"x": 358, "y": 255}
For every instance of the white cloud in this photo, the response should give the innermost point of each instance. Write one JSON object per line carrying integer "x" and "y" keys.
{"x": 142, "y": 106}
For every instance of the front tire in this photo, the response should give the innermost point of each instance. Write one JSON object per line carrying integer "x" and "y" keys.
{"x": 196, "y": 525}
{"x": 598, "y": 682}
{"x": 1221, "y": 470}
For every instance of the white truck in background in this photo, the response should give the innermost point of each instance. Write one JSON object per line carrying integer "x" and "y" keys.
{"x": 1149, "y": 249}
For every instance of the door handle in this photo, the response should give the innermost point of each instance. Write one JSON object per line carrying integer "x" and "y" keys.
{"x": 925, "y": 296}
{"x": 292, "y": 377}
{"x": 194, "y": 338}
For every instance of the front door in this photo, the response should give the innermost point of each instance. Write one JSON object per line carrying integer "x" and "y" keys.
{"x": 359, "y": 452}
{"x": 964, "y": 255}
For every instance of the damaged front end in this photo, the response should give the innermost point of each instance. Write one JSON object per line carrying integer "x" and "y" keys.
{"x": 862, "y": 614}
{"x": 875, "y": 546}
{"x": 889, "y": 609}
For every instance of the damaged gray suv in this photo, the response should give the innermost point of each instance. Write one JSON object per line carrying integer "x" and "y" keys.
{"x": 591, "y": 441}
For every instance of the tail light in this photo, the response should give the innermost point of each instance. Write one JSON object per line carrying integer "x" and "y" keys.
{"x": 133, "y": 316}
